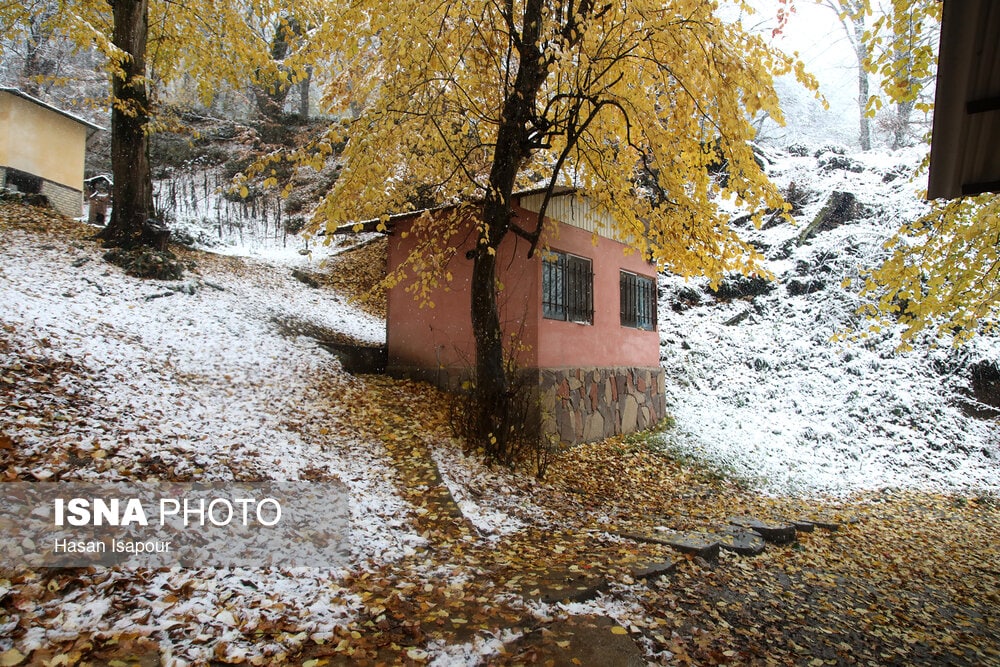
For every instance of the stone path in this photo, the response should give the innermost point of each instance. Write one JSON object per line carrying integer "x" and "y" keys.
{"x": 567, "y": 640}
{"x": 576, "y": 639}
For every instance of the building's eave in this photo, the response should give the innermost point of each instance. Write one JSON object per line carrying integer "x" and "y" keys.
{"x": 377, "y": 225}
{"x": 966, "y": 134}
{"x": 25, "y": 96}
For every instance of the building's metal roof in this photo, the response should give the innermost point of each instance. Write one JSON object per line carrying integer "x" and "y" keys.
{"x": 375, "y": 225}
{"x": 965, "y": 145}
{"x": 23, "y": 95}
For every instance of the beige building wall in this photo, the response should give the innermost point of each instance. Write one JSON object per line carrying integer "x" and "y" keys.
{"x": 45, "y": 143}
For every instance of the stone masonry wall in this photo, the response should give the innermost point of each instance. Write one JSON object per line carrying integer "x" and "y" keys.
{"x": 65, "y": 200}
{"x": 587, "y": 404}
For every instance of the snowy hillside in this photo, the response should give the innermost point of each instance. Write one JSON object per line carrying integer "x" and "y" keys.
{"x": 757, "y": 385}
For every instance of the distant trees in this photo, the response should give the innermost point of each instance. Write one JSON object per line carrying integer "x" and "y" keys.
{"x": 33, "y": 51}
{"x": 39, "y": 62}
{"x": 853, "y": 16}
{"x": 897, "y": 42}
{"x": 903, "y": 43}
{"x": 271, "y": 89}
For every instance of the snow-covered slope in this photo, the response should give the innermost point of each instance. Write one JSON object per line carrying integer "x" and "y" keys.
{"x": 772, "y": 397}
{"x": 757, "y": 385}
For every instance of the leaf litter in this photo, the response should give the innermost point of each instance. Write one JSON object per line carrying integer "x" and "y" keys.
{"x": 449, "y": 557}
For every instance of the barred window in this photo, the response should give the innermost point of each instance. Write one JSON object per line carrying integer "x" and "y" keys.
{"x": 567, "y": 288}
{"x": 638, "y": 301}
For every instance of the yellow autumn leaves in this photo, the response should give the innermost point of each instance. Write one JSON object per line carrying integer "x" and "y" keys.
{"x": 631, "y": 86}
{"x": 943, "y": 273}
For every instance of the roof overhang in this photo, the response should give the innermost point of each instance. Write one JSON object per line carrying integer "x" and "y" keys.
{"x": 91, "y": 127}
{"x": 965, "y": 144}
{"x": 377, "y": 225}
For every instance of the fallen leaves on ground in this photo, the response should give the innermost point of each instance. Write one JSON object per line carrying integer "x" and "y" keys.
{"x": 907, "y": 577}
{"x": 359, "y": 273}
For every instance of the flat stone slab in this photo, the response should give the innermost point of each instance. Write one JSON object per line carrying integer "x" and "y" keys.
{"x": 697, "y": 543}
{"x": 561, "y": 584}
{"x": 651, "y": 570}
{"x": 743, "y": 541}
{"x": 803, "y": 526}
{"x": 823, "y": 521}
{"x": 776, "y": 533}
{"x": 579, "y": 640}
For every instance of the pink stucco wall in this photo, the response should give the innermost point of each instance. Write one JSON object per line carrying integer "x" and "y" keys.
{"x": 605, "y": 343}
{"x": 438, "y": 341}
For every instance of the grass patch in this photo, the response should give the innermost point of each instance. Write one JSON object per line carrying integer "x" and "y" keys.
{"x": 660, "y": 441}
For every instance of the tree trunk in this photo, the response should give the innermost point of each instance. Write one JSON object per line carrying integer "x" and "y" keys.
{"x": 304, "y": 94}
{"x": 492, "y": 393}
{"x": 37, "y": 64}
{"x": 513, "y": 146}
{"x": 133, "y": 190}
{"x": 864, "y": 130}
{"x": 901, "y": 128}
{"x": 491, "y": 374}
{"x": 271, "y": 95}
{"x": 904, "y": 108}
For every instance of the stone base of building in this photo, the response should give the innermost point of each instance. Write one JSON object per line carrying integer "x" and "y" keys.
{"x": 66, "y": 200}
{"x": 63, "y": 199}
{"x": 576, "y": 405}
{"x": 587, "y": 404}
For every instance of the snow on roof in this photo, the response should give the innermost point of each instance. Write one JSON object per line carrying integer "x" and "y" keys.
{"x": 23, "y": 95}
{"x": 372, "y": 225}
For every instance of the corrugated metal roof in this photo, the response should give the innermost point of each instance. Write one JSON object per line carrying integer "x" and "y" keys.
{"x": 520, "y": 195}
{"x": 567, "y": 205}
{"x": 965, "y": 145}
{"x": 575, "y": 209}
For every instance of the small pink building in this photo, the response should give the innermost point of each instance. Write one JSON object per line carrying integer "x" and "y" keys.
{"x": 583, "y": 313}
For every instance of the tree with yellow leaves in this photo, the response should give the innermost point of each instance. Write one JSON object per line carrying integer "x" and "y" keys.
{"x": 470, "y": 100}
{"x": 943, "y": 273}
{"x": 903, "y": 44}
{"x": 152, "y": 42}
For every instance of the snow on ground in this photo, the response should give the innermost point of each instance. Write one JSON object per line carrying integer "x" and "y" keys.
{"x": 197, "y": 384}
{"x": 774, "y": 400}
{"x": 494, "y": 500}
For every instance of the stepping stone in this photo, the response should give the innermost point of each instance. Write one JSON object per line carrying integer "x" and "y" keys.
{"x": 707, "y": 549}
{"x": 739, "y": 540}
{"x": 803, "y": 526}
{"x": 777, "y": 533}
{"x": 824, "y": 522}
{"x": 652, "y": 570}
{"x": 704, "y": 545}
{"x": 579, "y": 640}
{"x": 560, "y": 584}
